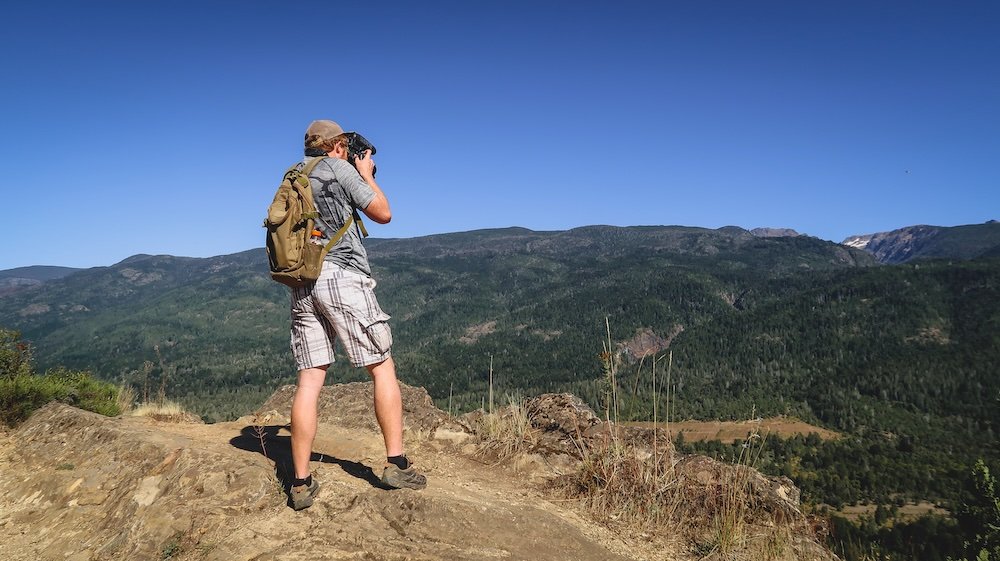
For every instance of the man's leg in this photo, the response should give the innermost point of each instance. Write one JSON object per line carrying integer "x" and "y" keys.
{"x": 388, "y": 405}
{"x": 398, "y": 473}
{"x": 304, "y": 414}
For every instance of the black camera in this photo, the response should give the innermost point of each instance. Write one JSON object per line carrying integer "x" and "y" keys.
{"x": 356, "y": 146}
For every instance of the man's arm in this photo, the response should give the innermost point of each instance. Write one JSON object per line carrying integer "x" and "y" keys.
{"x": 378, "y": 209}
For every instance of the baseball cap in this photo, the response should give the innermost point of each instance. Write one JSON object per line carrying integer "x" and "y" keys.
{"x": 324, "y": 129}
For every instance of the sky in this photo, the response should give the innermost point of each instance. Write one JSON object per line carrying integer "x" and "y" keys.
{"x": 164, "y": 127}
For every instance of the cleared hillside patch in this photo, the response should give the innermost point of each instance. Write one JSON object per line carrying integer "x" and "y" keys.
{"x": 728, "y": 431}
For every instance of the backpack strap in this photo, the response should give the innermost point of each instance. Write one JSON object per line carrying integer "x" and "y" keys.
{"x": 304, "y": 173}
{"x": 361, "y": 225}
{"x": 336, "y": 237}
{"x": 312, "y": 165}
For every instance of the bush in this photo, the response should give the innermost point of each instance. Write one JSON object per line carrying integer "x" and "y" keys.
{"x": 22, "y": 391}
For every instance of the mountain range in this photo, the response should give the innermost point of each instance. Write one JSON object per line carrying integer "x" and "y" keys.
{"x": 897, "y": 246}
{"x": 536, "y": 302}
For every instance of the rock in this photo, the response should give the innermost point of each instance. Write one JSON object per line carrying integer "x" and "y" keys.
{"x": 771, "y": 499}
{"x": 564, "y": 422}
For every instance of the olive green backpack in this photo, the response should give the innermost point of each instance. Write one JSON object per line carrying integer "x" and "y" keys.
{"x": 294, "y": 254}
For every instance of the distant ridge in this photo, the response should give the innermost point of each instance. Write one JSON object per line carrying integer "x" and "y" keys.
{"x": 930, "y": 242}
{"x": 38, "y": 272}
{"x": 13, "y": 280}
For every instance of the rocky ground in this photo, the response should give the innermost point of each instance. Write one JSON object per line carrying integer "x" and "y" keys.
{"x": 81, "y": 487}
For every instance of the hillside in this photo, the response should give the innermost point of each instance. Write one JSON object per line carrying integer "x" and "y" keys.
{"x": 220, "y": 324}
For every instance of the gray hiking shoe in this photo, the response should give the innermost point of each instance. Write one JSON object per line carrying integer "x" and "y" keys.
{"x": 301, "y": 496}
{"x": 407, "y": 478}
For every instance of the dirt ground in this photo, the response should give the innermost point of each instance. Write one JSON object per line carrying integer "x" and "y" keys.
{"x": 80, "y": 487}
{"x": 728, "y": 431}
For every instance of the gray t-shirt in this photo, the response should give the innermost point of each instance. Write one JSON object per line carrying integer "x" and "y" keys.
{"x": 337, "y": 190}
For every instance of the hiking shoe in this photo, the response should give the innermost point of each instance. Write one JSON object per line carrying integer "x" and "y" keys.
{"x": 407, "y": 478}
{"x": 301, "y": 496}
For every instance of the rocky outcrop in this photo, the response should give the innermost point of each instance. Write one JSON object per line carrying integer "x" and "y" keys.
{"x": 564, "y": 423}
{"x": 774, "y": 232}
{"x": 92, "y": 488}
{"x": 925, "y": 242}
{"x": 897, "y": 246}
{"x": 706, "y": 490}
{"x": 82, "y": 487}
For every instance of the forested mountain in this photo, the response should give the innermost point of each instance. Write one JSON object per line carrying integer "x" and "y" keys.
{"x": 535, "y": 300}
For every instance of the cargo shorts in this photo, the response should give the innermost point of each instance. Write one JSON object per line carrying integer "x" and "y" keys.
{"x": 341, "y": 305}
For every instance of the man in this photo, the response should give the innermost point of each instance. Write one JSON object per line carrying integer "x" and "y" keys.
{"x": 341, "y": 304}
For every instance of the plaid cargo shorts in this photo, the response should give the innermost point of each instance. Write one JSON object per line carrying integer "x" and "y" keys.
{"x": 340, "y": 304}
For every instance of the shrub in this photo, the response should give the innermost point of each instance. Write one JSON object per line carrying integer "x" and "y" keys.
{"x": 22, "y": 391}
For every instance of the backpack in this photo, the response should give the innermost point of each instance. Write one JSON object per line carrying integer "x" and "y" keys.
{"x": 295, "y": 250}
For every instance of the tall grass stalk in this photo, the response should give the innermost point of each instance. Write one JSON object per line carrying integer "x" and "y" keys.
{"x": 491, "y": 383}
{"x": 622, "y": 481}
{"x": 126, "y": 398}
{"x": 730, "y": 519}
{"x": 609, "y": 362}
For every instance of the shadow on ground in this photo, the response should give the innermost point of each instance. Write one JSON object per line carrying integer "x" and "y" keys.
{"x": 266, "y": 441}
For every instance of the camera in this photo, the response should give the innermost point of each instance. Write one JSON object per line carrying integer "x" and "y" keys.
{"x": 356, "y": 146}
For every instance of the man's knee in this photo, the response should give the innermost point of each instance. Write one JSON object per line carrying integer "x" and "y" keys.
{"x": 383, "y": 369}
{"x": 312, "y": 379}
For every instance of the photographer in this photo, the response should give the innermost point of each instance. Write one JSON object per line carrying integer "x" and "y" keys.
{"x": 342, "y": 304}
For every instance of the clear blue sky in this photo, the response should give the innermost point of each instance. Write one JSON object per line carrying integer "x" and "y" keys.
{"x": 164, "y": 127}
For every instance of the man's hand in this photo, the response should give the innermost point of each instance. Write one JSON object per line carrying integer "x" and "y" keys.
{"x": 378, "y": 208}
{"x": 365, "y": 166}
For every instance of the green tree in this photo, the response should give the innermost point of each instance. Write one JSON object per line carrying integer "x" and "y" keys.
{"x": 979, "y": 516}
{"x": 15, "y": 355}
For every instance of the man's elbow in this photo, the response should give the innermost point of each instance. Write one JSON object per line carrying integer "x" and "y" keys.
{"x": 379, "y": 211}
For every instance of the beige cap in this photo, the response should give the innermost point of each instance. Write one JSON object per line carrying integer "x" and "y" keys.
{"x": 324, "y": 129}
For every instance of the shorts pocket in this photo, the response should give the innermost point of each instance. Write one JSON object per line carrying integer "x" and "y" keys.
{"x": 377, "y": 330}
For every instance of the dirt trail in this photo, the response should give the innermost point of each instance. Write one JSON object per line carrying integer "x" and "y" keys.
{"x": 80, "y": 487}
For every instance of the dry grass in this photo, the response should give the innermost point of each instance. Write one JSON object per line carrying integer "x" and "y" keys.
{"x": 634, "y": 483}
{"x": 628, "y": 485}
{"x": 126, "y": 399}
{"x": 165, "y": 410}
{"x": 506, "y": 433}
{"x": 631, "y": 484}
